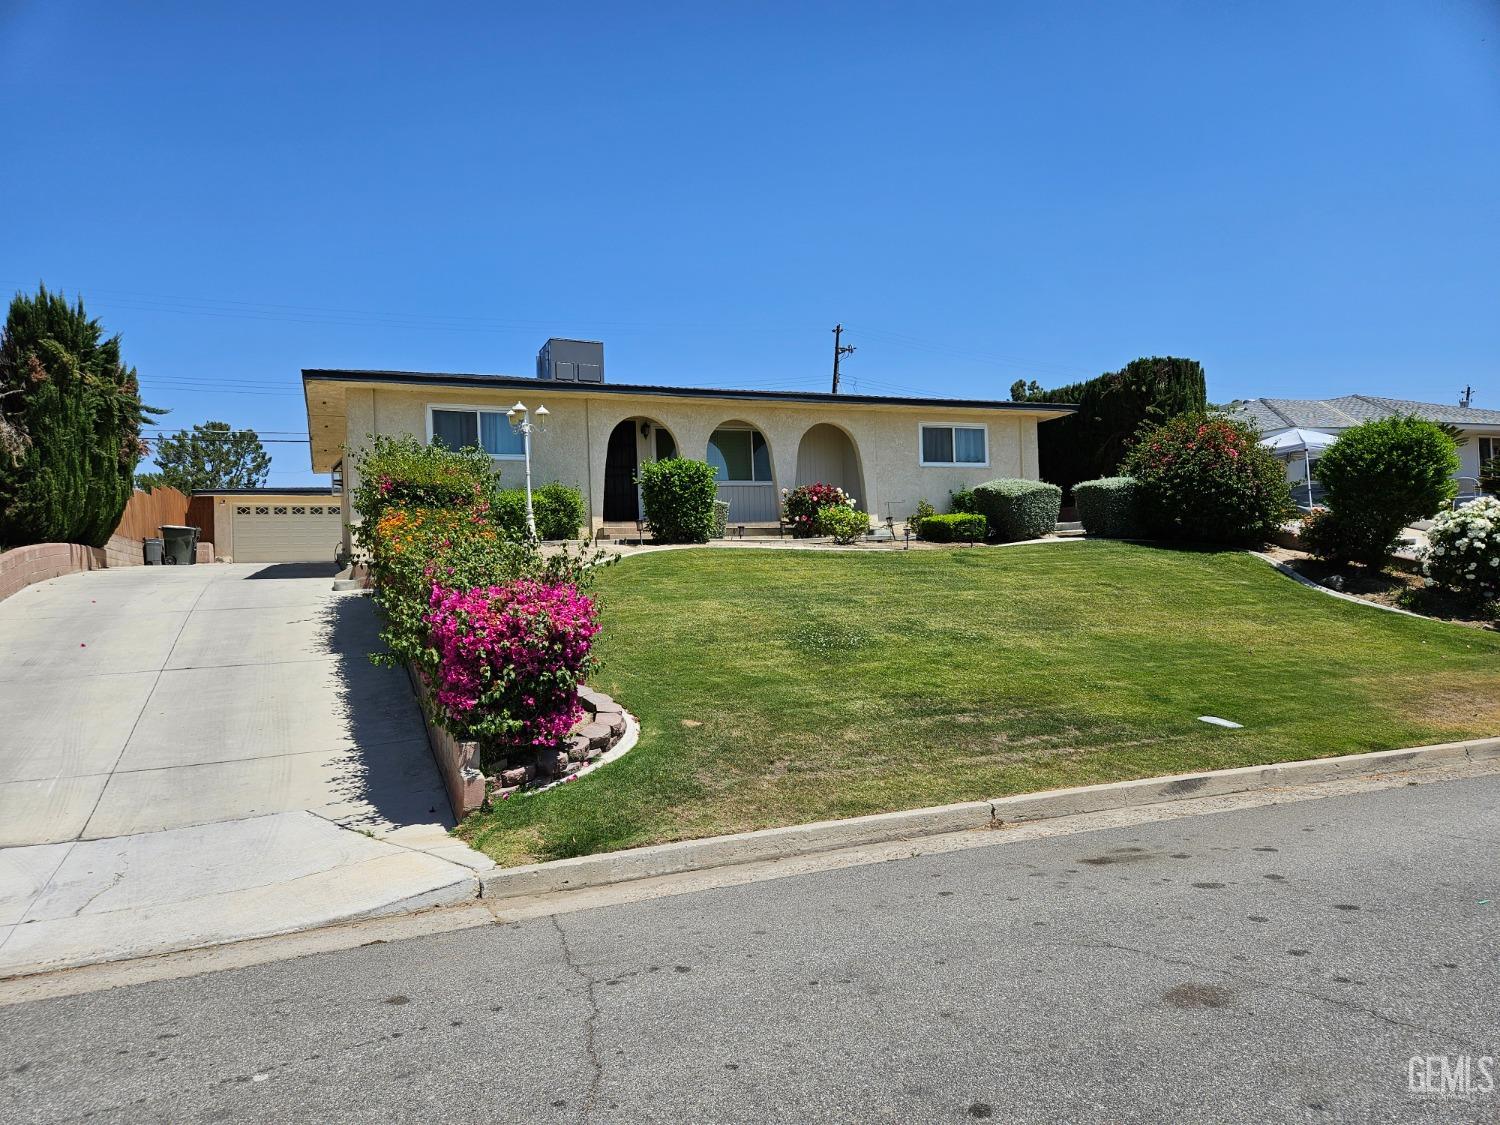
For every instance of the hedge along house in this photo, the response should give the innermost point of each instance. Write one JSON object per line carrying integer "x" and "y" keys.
{"x": 886, "y": 452}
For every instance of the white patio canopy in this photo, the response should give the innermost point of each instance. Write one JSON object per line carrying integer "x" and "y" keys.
{"x": 1309, "y": 443}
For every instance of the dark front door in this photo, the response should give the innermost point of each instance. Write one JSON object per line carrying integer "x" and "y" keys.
{"x": 621, "y": 503}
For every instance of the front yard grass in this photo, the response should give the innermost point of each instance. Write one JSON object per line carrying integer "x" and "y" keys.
{"x": 779, "y": 687}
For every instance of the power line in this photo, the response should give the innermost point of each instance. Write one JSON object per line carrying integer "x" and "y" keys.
{"x": 235, "y": 308}
{"x": 159, "y": 438}
{"x": 191, "y": 429}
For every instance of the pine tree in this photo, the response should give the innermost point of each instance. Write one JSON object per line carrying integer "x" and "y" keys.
{"x": 210, "y": 455}
{"x": 70, "y": 425}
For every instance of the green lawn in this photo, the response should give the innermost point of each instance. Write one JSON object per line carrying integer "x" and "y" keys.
{"x": 779, "y": 687}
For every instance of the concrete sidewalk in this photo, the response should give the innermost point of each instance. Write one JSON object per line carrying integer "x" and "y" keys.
{"x": 183, "y": 756}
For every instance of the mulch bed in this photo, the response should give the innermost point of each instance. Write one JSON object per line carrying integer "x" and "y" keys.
{"x": 1390, "y": 587}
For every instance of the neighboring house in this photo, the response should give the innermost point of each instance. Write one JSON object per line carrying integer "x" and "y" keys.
{"x": 1478, "y": 429}
{"x": 271, "y": 524}
{"x": 887, "y": 452}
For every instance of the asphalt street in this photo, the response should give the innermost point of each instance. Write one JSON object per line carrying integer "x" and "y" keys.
{"x": 1284, "y": 963}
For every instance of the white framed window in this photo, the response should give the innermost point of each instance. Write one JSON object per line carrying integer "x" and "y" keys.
{"x": 473, "y": 427}
{"x": 1489, "y": 450}
{"x": 740, "y": 456}
{"x": 953, "y": 445}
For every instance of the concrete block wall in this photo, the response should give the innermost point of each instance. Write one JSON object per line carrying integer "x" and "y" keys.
{"x": 38, "y": 562}
{"x": 123, "y": 551}
{"x": 22, "y": 566}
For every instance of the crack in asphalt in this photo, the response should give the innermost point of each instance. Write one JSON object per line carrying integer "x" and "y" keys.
{"x": 590, "y": 1025}
{"x": 1333, "y": 1001}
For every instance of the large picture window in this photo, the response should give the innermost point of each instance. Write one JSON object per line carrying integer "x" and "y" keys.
{"x": 954, "y": 445}
{"x": 464, "y": 427}
{"x": 740, "y": 455}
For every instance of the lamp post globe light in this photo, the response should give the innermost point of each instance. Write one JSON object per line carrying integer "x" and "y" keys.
{"x": 520, "y": 421}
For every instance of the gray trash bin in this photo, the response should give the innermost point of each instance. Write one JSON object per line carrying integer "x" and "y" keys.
{"x": 153, "y": 551}
{"x": 180, "y": 544}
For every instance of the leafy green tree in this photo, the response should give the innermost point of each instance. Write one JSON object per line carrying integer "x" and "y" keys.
{"x": 70, "y": 424}
{"x": 1381, "y": 476}
{"x": 1207, "y": 479}
{"x": 210, "y": 455}
{"x": 1112, "y": 409}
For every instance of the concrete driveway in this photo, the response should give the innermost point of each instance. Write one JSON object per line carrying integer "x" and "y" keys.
{"x": 200, "y": 754}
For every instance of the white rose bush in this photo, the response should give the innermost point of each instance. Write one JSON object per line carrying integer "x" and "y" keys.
{"x": 1463, "y": 550}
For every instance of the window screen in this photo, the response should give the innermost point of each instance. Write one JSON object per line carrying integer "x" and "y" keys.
{"x": 455, "y": 429}
{"x": 953, "y": 445}
{"x": 968, "y": 446}
{"x": 937, "y": 444}
{"x": 497, "y": 438}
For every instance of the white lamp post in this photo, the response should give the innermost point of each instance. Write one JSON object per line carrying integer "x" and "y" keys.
{"x": 524, "y": 426}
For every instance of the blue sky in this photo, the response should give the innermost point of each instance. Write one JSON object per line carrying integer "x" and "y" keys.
{"x": 1305, "y": 197}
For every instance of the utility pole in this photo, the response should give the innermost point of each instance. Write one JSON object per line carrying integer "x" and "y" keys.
{"x": 839, "y": 350}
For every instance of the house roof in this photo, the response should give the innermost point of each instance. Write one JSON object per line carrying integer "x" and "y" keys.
{"x": 554, "y": 386}
{"x": 324, "y": 391}
{"x": 1350, "y": 410}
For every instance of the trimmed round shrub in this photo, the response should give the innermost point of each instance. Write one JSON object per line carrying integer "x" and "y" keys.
{"x": 1463, "y": 551}
{"x": 558, "y": 509}
{"x": 1382, "y": 475}
{"x": 956, "y": 527}
{"x": 843, "y": 523}
{"x": 1019, "y": 509}
{"x": 1336, "y": 538}
{"x": 961, "y": 500}
{"x": 1107, "y": 506}
{"x": 678, "y": 495}
{"x": 1207, "y": 479}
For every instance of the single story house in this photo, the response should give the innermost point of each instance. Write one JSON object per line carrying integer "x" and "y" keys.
{"x": 886, "y": 452}
{"x": 1478, "y": 429}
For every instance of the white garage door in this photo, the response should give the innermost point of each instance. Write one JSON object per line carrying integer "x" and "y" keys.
{"x": 286, "y": 532}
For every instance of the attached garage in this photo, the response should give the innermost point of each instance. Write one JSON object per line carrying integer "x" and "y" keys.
{"x": 277, "y": 526}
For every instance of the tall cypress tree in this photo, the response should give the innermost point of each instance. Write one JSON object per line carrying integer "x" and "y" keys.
{"x": 70, "y": 425}
{"x": 1112, "y": 408}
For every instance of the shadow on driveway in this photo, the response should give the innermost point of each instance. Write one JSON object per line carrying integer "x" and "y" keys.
{"x": 295, "y": 570}
{"x": 390, "y": 767}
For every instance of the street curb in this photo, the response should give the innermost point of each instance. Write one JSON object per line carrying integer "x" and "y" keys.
{"x": 829, "y": 835}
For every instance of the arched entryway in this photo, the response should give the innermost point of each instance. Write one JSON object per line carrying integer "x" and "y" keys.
{"x": 828, "y": 455}
{"x": 741, "y": 458}
{"x": 631, "y": 442}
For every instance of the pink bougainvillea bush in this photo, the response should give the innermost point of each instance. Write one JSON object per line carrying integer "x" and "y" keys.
{"x": 506, "y": 661}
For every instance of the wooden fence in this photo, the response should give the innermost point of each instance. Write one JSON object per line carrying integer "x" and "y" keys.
{"x": 147, "y": 511}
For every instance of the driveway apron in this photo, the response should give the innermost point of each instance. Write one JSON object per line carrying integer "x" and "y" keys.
{"x": 205, "y": 753}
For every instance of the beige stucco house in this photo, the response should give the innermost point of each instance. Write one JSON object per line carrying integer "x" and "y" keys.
{"x": 887, "y": 452}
